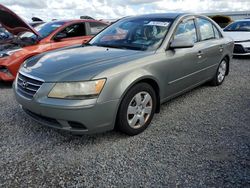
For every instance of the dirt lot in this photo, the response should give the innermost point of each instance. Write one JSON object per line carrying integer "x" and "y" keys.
{"x": 201, "y": 139}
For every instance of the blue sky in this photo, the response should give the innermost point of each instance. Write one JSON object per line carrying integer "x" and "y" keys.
{"x": 61, "y": 9}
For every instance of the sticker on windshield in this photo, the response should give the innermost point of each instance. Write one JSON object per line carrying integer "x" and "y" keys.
{"x": 157, "y": 23}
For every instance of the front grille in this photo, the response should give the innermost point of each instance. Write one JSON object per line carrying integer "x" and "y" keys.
{"x": 238, "y": 49}
{"x": 27, "y": 86}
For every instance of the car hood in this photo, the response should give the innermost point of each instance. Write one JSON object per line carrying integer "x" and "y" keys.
{"x": 238, "y": 36}
{"x": 13, "y": 23}
{"x": 82, "y": 63}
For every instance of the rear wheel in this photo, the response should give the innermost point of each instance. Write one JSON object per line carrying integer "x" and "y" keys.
{"x": 220, "y": 74}
{"x": 137, "y": 109}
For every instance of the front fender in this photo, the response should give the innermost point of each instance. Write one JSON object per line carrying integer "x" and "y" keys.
{"x": 117, "y": 85}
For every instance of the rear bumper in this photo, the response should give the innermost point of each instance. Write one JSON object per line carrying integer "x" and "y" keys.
{"x": 83, "y": 119}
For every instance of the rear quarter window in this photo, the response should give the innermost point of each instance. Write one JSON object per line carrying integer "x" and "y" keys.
{"x": 217, "y": 33}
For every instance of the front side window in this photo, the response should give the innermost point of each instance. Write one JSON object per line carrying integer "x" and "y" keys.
{"x": 186, "y": 29}
{"x": 134, "y": 33}
{"x": 75, "y": 30}
{"x": 206, "y": 29}
{"x": 96, "y": 27}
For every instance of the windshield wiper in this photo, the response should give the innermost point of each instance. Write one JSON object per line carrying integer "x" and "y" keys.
{"x": 86, "y": 44}
{"x": 108, "y": 45}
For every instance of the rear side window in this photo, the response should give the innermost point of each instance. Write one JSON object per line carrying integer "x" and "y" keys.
{"x": 96, "y": 27}
{"x": 186, "y": 29}
{"x": 75, "y": 30}
{"x": 206, "y": 29}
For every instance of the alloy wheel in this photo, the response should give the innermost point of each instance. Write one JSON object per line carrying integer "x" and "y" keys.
{"x": 139, "y": 110}
{"x": 222, "y": 71}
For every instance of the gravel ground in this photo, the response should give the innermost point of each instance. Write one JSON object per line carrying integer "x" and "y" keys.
{"x": 200, "y": 139}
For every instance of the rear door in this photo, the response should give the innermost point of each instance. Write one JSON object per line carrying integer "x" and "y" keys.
{"x": 211, "y": 45}
{"x": 73, "y": 34}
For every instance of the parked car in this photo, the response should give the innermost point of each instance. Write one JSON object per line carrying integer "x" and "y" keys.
{"x": 239, "y": 31}
{"x": 31, "y": 41}
{"x": 120, "y": 78}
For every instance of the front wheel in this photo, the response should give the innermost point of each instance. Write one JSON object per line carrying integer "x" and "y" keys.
{"x": 137, "y": 109}
{"x": 220, "y": 73}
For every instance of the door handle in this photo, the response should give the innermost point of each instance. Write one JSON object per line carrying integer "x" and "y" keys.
{"x": 200, "y": 54}
{"x": 221, "y": 48}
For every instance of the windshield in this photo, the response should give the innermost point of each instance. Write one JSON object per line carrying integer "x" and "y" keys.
{"x": 44, "y": 30}
{"x": 239, "y": 26}
{"x": 134, "y": 33}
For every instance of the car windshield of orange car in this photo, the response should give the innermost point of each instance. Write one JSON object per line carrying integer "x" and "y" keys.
{"x": 134, "y": 34}
{"x": 44, "y": 30}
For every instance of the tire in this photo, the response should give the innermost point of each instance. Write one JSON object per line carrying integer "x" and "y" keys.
{"x": 220, "y": 75}
{"x": 134, "y": 115}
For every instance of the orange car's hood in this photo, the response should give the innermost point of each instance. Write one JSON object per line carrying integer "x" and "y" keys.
{"x": 13, "y": 23}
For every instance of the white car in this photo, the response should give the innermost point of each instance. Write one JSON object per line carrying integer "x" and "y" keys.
{"x": 239, "y": 31}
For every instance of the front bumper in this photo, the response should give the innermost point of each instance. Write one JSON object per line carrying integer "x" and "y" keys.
{"x": 80, "y": 117}
{"x": 241, "y": 49}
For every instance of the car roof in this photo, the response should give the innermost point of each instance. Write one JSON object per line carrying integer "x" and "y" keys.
{"x": 74, "y": 20}
{"x": 243, "y": 20}
{"x": 172, "y": 15}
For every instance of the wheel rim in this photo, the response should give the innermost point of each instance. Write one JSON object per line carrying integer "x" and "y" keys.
{"x": 222, "y": 71}
{"x": 139, "y": 110}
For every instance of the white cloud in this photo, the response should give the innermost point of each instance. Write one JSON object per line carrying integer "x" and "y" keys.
{"x": 204, "y": 5}
{"x": 65, "y": 9}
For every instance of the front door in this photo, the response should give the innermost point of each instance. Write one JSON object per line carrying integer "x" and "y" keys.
{"x": 71, "y": 35}
{"x": 182, "y": 64}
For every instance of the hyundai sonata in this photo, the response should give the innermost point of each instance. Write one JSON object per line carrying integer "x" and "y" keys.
{"x": 120, "y": 78}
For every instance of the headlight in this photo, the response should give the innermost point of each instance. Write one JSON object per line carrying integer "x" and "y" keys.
{"x": 77, "y": 90}
{"x": 3, "y": 55}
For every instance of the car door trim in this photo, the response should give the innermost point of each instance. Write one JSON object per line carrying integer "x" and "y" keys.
{"x": 196, "y": 72}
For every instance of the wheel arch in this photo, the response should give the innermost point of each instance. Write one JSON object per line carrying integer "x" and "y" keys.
{"x": 145, "y": 79}
{"x": 149, "y": 80}
{"x": 228, "y": 63}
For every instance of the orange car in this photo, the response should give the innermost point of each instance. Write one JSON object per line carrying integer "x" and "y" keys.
{"x": 45, "y": 37}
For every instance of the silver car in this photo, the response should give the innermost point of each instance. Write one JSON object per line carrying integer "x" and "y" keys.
{"x": 120, "y": 78}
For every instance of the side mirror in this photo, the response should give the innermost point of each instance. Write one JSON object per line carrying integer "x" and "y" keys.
{"x": 60, "y": 36}
{"x": 182, "y": 42}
